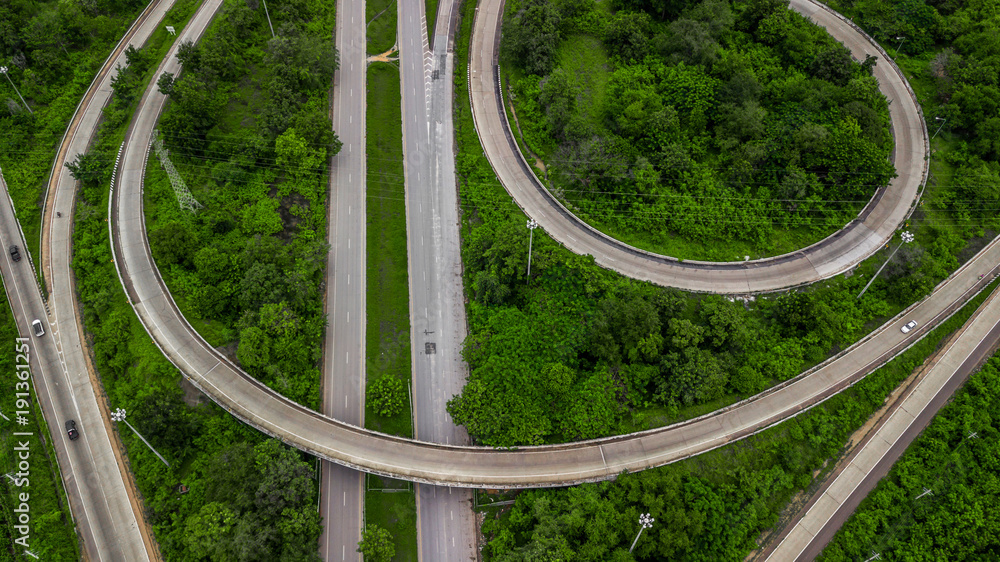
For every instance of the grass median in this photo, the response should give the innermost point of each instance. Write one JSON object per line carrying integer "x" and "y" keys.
{"x": 388, "y": 298}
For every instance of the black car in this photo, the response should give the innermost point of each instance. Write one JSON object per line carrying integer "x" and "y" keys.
{"x": 71, "y": 430}
{"x": 15, "y": 254}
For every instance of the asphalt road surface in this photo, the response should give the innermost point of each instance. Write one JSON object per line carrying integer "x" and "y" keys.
{"x": 445, "y": 521}
{"x": 835, "y": 502}
{"x": 831, "y": 256}
{"x": 107, "y": 516}
{"x": 341, "y": 489}
{"x": 98, "y": 500}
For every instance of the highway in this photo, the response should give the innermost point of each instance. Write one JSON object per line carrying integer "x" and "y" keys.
{"x": 834, "y": 503}
{"x": 445, "y": 520}
{"x": 552, "y": 465}
{"x": 107, "y": 516}
{"x": 834, "y": 255}
{"x": 341, "y": 488}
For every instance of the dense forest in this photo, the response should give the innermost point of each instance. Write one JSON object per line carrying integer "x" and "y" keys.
{"x": 956, "y": 460}
{"x": 688, "y": 126}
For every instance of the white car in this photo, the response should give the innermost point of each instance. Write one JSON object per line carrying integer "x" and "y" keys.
{"x": 909, "y": 326}
{"x": 38, "y": 329}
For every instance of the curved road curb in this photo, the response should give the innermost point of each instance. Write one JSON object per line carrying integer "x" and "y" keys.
{"x": 841, "y": 251}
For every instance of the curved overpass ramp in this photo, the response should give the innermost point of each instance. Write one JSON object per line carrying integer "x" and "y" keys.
{"x": 553, "y": 465}
{"x": 841, "y": 251}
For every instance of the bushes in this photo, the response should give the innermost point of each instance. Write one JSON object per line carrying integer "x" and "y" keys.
{"x": 387, "y": 396}
{"x": 700, "y": 122}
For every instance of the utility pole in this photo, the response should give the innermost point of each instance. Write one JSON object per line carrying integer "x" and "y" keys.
{"x": 645, "y": 522}
{"x": 119, "y": 415}
{"x": 943, "y": 121}
{"x": 901, "y": 39}
{"x": 532, "y": 225}
{"x": 268, "y": 19}
{"x": 3, "y": 70}
{"x": 907, "y": 237}
{"x": 927, "y": 492}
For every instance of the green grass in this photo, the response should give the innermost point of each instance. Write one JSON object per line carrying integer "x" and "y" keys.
{"x": 397, "y": 513}
{"x": 781, "y": 242}
{"x": 430, "y": 11}
{"x": 381, "y": 16}
{"x": 51, "y": 533}
{"x": 388, "y": 297}
{"x": 586, "y": 60}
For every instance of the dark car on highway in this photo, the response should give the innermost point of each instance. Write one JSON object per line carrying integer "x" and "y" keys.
{"x": 71, "y": 430}
{"x": 15, "y": 253}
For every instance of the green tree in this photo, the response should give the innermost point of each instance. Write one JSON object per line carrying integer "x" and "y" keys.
{"x": 173, "y": 243}
{"x": 254, "y": 350}
{"x": 387, "y": 396}
{"x": 296, "y": 156}
{"x": 207, "y": 532}
{"x": 286, "y": 481}
{"x": 627, "y": 35}
{"x": 164, "y": 419}
{"x": 531, "y": 36}
{"x": 376, "y": 544}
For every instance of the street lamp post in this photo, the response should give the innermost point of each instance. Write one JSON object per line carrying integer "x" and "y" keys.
{"x": 3, "y": 70}
{"x": 119, "y": 415}
{"x": 907, "y": 237}
{"x": 645, "y": 522}
{"x": 532, "y": 225}
{"x": 943, "y": 120}
{"x": 901, "y": 39}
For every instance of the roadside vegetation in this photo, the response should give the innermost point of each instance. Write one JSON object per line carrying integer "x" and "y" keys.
{"x": 391, "y": 506}
{"x": 577, "y": 351}
{"x": 387, "y": 345}
{"x": 430, "y": 10}
{"x": 229, "y": 493}
{"x": 50, "y": 530}
{"x": 709, "y": 129}
{"x": 955, "y": 459}
{"x": 248, "y": 131}
{"x": 52, "y": 50}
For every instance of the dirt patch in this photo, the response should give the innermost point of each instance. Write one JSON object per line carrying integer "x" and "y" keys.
{"x": 386, "y": 56}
